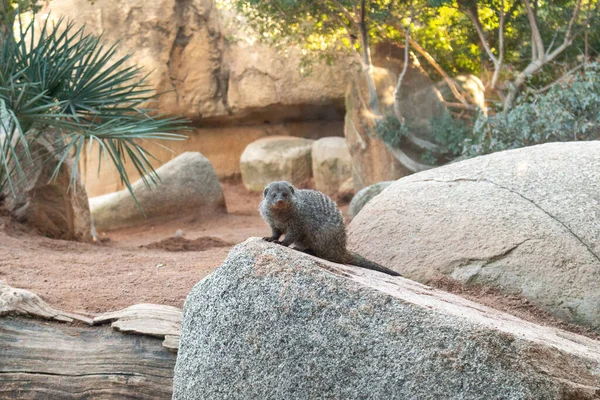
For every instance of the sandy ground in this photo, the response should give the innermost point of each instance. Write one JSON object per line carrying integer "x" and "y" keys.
{"x": 124, "y": 269}
{"x": 160, "y": 261}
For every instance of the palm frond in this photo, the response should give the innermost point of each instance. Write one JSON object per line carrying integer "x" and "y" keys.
{"x": 59, "y": 77}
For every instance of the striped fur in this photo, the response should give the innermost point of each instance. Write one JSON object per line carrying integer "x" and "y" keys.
{"x": 312, "y": 222}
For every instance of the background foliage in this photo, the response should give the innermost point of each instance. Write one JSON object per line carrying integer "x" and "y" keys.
{"x": 448, "y": 31}
{"x": 569, "y": 111}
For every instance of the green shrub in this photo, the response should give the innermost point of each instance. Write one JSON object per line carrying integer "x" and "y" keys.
{"x": 569, "y": 111}
{"x": 448, "y": 132}
{"x": 390, "y": 130}
{"x": 452, "y": 134}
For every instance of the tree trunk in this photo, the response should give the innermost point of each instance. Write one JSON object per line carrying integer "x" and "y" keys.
{"x": 367, "y": 64}
{"x": 53, "y": 205}
{"x": 372, "y": 161}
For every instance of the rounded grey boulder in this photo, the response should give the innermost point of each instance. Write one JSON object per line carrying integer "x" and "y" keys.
{"x": 526, "y": 221}
{"x": 331, "y": 164}
{"x": 274, "y": 323}
{"x": 276, "y": 158}
{"x": 365, "y": 195}
{"x": 188, "y": 186}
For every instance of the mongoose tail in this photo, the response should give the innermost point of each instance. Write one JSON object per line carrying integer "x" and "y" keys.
{"x": 360, "y": 261}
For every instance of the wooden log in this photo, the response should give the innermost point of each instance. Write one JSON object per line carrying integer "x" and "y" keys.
{"x": 144, "y": 319}
{"x": 24, "y": 302}
{"x": 58, "y": 361}
{"x": 171, "y": 342}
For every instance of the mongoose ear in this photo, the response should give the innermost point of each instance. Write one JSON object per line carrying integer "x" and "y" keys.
{"x": 266, "y": 191}
{"x": 292, "y": 189}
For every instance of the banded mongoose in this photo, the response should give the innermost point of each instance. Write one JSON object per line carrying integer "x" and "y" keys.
{"x": 310, "y": 221}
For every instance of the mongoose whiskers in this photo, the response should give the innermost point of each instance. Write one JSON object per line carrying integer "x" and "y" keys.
{"x": 312, "y": 222}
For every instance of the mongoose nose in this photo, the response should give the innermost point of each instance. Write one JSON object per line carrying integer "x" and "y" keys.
{"x": 279, "y": 201}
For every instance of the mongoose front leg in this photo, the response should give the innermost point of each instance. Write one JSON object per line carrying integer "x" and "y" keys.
{"x": 275, "y": 235}
{"x": 291, "y": 237}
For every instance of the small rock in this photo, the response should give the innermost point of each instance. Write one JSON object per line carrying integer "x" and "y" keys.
{"x": 188, "y": 185}
{"x": 331, "y": 164}
{"x": 364, "y": 196}
{"x": 276, "y": 158}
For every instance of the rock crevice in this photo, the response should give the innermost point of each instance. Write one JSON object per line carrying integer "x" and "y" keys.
{"x": 532, "y": 202}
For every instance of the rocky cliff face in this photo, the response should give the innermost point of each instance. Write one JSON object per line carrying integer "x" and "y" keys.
{"x": 211, "y": 71}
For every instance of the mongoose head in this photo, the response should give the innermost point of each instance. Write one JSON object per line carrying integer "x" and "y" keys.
{"x": 279, "y": 195}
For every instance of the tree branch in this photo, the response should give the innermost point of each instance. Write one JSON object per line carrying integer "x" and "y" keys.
{"x": 406, "y": 161}
{"x": 561, "y": 79}
{"x": 542, "y": 58}
{"x": 449, "y": 81}
{"x": 346, "y": 13}
{"x": 498, "y": 65}
{"x": 364, "y": 34}
{"x": 569, "y": 38}
{"x": 536, "y": 37}
{"x": 459, "y": 105}
{"x": 472, "y": 14}
{"x": 573, "y": 18}
{"x": 401, "y": 77}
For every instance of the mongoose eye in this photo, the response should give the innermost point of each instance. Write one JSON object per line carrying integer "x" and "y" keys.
{"x": 284, "y": 195}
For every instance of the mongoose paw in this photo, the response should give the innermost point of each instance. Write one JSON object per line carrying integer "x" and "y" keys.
{"x": 269, "y": 239}
{"x": 308, "y": 251}
{"x": 280, "y": 242}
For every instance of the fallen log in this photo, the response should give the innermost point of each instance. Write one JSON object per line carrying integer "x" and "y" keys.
{"x": 40, "y": 359}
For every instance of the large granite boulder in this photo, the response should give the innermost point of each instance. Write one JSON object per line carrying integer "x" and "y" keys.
{"x": 364, "y": 196}
{"x": 331, "y": 164}
{"x": 276, "y": 158}
{"x": 526, "y": 221}
{"x": 55, "y": 206}
{"x": 188, "y": 186}
{"x": 272, "y": 322}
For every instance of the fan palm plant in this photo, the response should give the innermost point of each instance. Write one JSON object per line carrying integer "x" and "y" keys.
{"x": 57, "y": 78}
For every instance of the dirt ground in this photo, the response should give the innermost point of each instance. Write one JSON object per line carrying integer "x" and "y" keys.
{"x": 131, "y": 265}
{"x": 160, "y": 261}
